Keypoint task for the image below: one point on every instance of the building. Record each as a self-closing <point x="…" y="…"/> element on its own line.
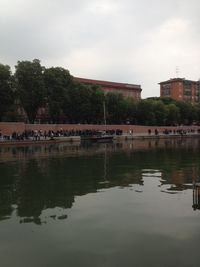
<point x="181" y="89"/>
<point x="127" y="90"/>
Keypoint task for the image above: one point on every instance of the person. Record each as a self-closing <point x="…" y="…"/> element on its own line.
<point x="52" y="135"/>
<point x="35" y="135"/>
<point x="45" y="134"/>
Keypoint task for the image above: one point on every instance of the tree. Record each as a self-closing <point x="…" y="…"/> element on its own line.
<point x="30" y="86"/>
<point x="197" y="111"/>
<point x="6" y="89"/>
<point x="187" y="113"/>
<point x="173" y="114"/>
<point x="78" y="103"/>
<point x="96" y="101"/>
<point x="145" y="112"/>
<point x="57" y="81"/>
<point x="115" y="108"/>
<point x="167" y="100"/>
<point x="160" y="112"/>
<point x="130" y="110"/>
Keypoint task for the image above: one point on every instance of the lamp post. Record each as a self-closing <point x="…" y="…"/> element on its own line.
<point x="104" y="111"/>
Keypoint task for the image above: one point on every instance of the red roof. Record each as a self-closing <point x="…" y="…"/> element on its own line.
<point x="177" y="80"/>
<point x="108" y="84"/>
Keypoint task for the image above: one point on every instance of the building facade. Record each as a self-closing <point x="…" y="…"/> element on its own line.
<point x="181" y="89"/>
<point x="127" y="90"/>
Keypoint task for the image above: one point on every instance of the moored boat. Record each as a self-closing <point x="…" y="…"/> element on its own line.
<point x="99" y="137"/>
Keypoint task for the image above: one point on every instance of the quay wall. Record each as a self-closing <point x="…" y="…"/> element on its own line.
<point x="7" y="128"/>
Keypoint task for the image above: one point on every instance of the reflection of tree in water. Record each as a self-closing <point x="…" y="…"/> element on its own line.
<point x="37" y="191"/>
<point x="7" y="190"/>
<point x="5" y="205"/>
<point x="38" y="184"/>
<point x="47" y="183"/>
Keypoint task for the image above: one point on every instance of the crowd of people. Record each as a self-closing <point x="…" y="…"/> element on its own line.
<point x="175" y="131"/>
<point x="50" y="134"/>
<point x="181" y="131"/>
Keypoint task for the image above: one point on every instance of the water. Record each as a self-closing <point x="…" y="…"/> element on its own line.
<point x="128" y="204"/>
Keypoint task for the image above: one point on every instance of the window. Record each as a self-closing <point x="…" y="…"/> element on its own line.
<point x="187" y="88"/>
<point x="166" y="89"/>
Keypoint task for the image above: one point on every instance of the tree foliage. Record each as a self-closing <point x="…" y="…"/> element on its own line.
<point x="30" y="86"/>
<point x="84" y="104"/>
<point x="6" y="89"/>
<point x="115" y="108"/>
<point x="57" y="81"/>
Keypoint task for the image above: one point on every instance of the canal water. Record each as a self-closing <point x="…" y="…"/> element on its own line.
<point x="123" y="204"/>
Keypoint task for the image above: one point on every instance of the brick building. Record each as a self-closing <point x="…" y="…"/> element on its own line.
<point x="181" y="89"/>
<point x="127" y="90"/>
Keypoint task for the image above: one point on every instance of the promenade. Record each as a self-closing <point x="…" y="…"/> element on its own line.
<point x="76" y="138"/>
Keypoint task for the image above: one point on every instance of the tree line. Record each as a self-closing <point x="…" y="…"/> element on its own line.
<point x="51" y="94"/>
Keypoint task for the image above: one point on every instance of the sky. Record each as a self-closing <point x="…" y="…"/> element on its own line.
<point x="131" y="41"/>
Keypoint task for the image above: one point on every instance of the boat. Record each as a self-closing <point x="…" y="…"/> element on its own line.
<point x="101" y="137"/>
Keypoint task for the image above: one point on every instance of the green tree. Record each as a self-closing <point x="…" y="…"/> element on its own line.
<point x="96" y="101"/>
<point x="173" y="114"/>
<point x="57" y="81"/>
<point x="6" y="89"/>
<point x="145" y="112"/>
<point x="115" y="107"/>
<point x="77" y="104"/>
<point x="30" y="87"/>
<point x="197" y="112"/>
<point x="160" y="113"/>
<point x="167" y="100"/>
<point x="129" y="109"/>
<point x="187" y="113"/>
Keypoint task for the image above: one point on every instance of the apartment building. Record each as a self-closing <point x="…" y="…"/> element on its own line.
<point x="181" y="89"/>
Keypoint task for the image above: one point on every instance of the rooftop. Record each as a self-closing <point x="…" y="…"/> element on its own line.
<point x="108" y="83"/>
<point x="177" y="80"/>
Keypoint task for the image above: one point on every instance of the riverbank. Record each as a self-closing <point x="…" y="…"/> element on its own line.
<point x="7" y="128"/>
<point x="77" y="139"/>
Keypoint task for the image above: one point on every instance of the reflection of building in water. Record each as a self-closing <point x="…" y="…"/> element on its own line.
<point x="180" y="180"/>
<point x="196" y="196"/>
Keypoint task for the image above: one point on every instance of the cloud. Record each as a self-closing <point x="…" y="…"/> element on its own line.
<point x="127" y="41"/>
<point x="103" y="7"/>
<point x="164" y="48"/>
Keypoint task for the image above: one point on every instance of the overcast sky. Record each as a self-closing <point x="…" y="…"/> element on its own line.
<point x="131" y="41"/>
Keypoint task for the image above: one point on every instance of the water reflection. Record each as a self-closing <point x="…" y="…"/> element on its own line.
<point x="196" y="196"/>
<point x="23" y="152"/>
<point x="41" y="183"/>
